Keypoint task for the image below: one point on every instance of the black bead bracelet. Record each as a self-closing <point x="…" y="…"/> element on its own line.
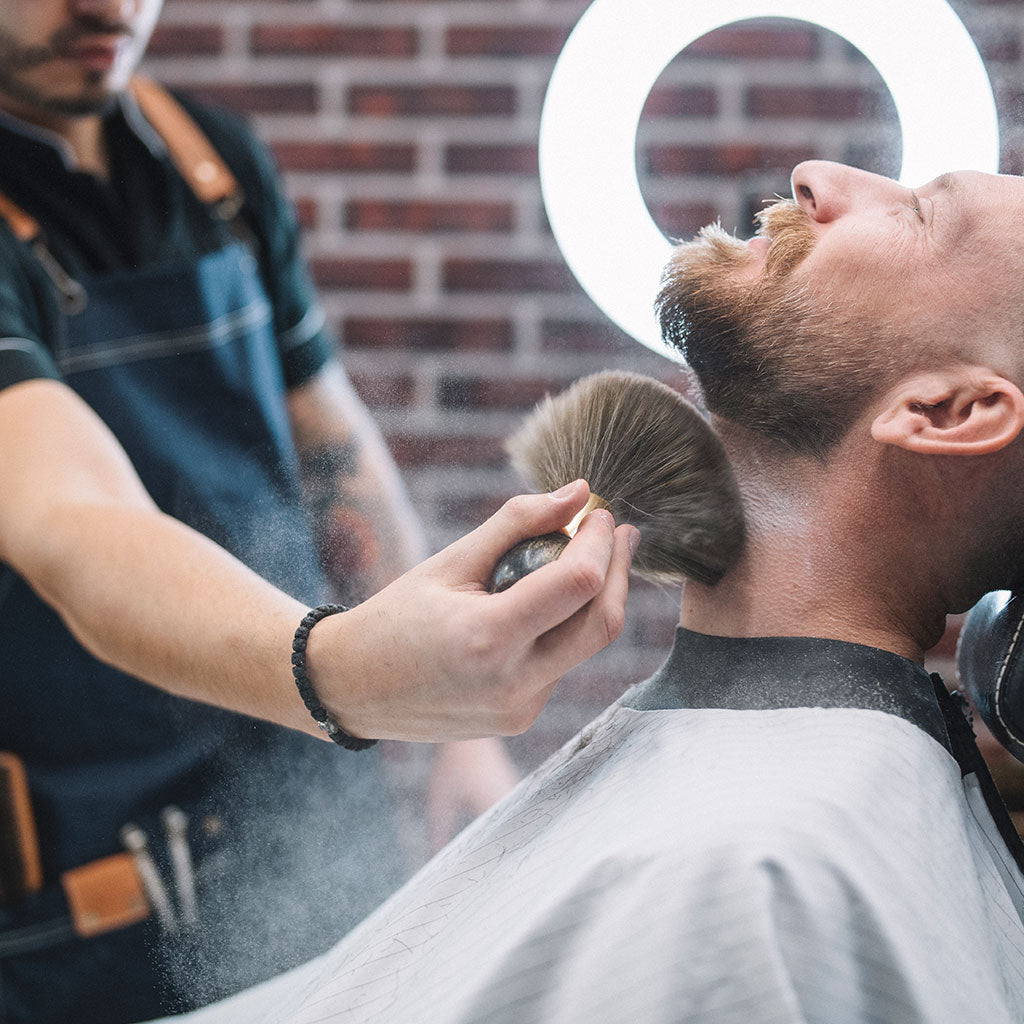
<point x="321" y="715"/>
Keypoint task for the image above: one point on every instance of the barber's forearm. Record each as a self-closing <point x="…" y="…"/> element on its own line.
<point x="139" y="589"/>
<point x="432" y="657"/>
<point x="152" y="597"/>
<point x="367" y="531"/>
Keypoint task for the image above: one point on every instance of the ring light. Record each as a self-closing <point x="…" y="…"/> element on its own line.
<point x="618" y="50"/>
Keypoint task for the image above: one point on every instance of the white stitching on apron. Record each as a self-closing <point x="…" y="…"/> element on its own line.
<point x="147" y="346"/>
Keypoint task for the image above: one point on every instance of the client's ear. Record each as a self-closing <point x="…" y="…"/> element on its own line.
<point x="966" y="410"/>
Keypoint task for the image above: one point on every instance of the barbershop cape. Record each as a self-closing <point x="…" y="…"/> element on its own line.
<point x="768" y="830"/>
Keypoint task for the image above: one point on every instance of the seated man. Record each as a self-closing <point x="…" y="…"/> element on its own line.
<point x="787" y="823"/>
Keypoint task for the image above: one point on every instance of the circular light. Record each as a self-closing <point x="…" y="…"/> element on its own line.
<point x="618" y="50"/>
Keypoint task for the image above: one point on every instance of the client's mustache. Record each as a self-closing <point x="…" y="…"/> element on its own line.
<point x="789" y="228"/>
<point x="62" y="43"/>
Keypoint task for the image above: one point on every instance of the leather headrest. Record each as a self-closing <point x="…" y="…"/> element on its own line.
<point x="990" y="666"/>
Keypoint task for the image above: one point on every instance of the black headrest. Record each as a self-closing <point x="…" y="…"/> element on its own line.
<point x="990" y="666"/>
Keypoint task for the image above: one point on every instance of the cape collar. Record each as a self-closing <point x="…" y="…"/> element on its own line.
<point x="761" y="673"/>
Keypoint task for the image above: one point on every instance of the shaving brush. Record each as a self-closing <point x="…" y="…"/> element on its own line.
<point x="650" y="458"/>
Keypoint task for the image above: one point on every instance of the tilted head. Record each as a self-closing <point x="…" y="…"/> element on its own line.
<point x="875" y="331"/>
<point x="852" y="287"/>
<point x="68" y="58"/>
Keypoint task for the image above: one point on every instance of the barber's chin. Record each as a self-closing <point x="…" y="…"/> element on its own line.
<point x="96" y="98"/>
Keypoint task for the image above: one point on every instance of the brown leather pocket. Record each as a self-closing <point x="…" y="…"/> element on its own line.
<point x="21" y="872"/>
<point x="105" y="895"/>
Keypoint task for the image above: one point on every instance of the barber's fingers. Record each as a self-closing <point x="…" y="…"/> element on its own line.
<point x="553" y="593"/>
<point x="598" y="622"/>
<point x="583" y="634"/>
<point x="527" y="515"/>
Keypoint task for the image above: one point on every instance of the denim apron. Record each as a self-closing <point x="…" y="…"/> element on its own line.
<point x="290" y="835"/>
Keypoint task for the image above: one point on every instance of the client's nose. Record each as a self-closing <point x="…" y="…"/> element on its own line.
<point x="820" y="190"/>
<point x="826" y="191"/>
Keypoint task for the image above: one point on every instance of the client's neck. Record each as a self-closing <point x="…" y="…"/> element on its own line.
<point x="819" y="561"/>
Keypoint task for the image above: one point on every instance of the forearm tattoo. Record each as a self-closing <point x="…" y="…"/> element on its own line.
<point x="352" y="522"/>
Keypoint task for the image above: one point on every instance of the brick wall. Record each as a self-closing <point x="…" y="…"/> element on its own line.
<point x="407" y="133"/>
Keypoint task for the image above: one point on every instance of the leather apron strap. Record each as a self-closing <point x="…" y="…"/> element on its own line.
<point x="196" y="159"/>
<point x="25" y="228"/>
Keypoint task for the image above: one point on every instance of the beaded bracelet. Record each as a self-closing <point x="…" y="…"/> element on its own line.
<point x="320" y="714"/>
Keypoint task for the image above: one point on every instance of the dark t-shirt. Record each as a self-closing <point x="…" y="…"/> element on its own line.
<point x="144" y="215"/>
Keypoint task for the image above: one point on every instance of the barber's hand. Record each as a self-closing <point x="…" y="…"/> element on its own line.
<point x="435" y="657"/>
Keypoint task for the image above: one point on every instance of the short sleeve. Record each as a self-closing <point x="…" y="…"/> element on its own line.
<point x="27" y="322"/>
<point x="299" y="324"/>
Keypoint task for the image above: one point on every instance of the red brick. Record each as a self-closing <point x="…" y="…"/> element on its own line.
<point x="504" y="392"/>
<point x="514" y="158"/>
<point x="583" y="336"/>
<point x="727" y="159"/>
<point x="170" y="40"/>
<point x="432" y="100"/>
<point x="999" y="48"/>
<point x="681" y="101"/>
<point x="759" y="43"/>
<point x="876" y="157"/>
<point x="819" y="102"/>
<point x="427" y="216"/>
<point x="1011" y="160"/>
<point x="653" y="631"/>
<point x="429" y="335"/>
<point x="1011" y="99"/>
<point x="506" y="40"/>
<point x="682" y="220"/>
<point x="349" y="157"/>
<point x="469" y="512"/>
<point x="482" y="275"/>
<point x="307" y="211"/>
<point x="589" y="693"/>
<point x="332" y="40"/>
<point x="260" y="98"/>
<point x="416" y="451"/>
<point x="384" y="391"/>
<point x="362" y="274"/>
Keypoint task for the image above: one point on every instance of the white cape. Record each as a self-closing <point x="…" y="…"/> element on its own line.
<point x="821" y="866"/>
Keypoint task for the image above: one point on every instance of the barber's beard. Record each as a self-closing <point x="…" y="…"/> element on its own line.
<point x="16" y="60"/>
<point x="789" y="229"/>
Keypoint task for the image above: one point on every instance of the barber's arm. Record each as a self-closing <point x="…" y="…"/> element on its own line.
<point x="366" y="529"/>
<point x="431" y="657"/>
<point x="368" y="535"/>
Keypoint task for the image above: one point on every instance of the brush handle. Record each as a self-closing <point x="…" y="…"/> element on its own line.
<point x="524" y="557"/>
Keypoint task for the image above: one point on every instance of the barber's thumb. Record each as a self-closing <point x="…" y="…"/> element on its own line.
<point x="574" y="494"/>
<point x="526" y="515"/>
<point x="529" y="515"/>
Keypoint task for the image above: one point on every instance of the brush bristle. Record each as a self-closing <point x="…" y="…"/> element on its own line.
<point x="653" y="458"/>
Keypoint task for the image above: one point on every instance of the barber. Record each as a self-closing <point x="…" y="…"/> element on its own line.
<point x="168" y="399"/>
